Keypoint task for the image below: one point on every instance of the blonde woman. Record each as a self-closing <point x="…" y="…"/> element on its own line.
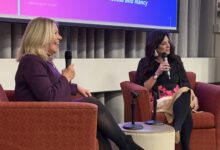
<point x="37" y="79"/>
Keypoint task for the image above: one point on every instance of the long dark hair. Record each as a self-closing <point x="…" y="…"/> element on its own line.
<point x="154" y="39"/>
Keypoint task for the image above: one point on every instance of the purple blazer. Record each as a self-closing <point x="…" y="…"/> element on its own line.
<point x="38" y="80"/>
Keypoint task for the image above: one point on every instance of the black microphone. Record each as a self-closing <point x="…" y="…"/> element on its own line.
<point x="68" y="58"/>
<point x="164" y="56"/>
<point x="134" y="94"/>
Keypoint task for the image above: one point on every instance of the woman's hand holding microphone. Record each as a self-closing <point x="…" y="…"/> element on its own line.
<point x="164" y="66"/>
<point x="69" y="72"/>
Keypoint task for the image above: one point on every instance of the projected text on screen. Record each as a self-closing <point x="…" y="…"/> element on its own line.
<point x="160" y="14"/>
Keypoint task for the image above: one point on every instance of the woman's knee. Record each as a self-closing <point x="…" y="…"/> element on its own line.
<point x="184" y="97"/>
<point x="92" y="100"/>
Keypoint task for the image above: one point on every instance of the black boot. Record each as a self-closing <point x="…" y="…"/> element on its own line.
<point x="130" y="144"/>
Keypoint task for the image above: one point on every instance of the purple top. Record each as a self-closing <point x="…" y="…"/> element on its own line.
<point x="38" y="80"/>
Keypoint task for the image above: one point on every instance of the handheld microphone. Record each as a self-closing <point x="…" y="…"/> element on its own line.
<point x="68" y="58"/>
<point x="164" y="56"/>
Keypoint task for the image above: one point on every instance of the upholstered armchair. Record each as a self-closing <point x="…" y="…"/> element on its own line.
<point x="46" y="125"/>
<point x="206" y="123"/>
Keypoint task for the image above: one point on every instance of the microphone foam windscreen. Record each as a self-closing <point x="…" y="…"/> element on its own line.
<point x="164" y="55"/>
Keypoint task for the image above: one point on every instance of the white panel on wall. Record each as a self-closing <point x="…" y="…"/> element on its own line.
<point x="205" y="68"/>
<point x="217" y="68"/>
<point x="101" y="75"/>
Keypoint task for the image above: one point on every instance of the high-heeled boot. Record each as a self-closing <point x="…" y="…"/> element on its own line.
<point x="130" y="144"/>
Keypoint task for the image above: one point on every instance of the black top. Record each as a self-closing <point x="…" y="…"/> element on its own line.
<point x="146" y="69"/>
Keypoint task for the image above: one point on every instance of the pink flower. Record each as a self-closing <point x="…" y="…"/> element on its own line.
<point x="164" y="92"/>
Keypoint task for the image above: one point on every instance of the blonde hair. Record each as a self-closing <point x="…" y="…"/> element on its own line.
<point x="37" y="38"/>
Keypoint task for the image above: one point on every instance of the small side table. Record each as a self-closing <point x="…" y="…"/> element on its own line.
<point x="153" y="137"/>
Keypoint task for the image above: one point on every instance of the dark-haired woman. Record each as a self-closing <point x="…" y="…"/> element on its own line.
<point x="168" y="77"/>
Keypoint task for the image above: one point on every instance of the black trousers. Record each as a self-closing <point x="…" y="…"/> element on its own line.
<point x="183" y="118"/>
<point x="107" y="128"/>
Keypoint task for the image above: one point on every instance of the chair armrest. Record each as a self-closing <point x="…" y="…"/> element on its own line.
<point x="208" y="97"/>
<point x="142" y="101"/>
<point x="11" y="95"/>
<point x="48" y="125"/>
<point x="209" y="100"/>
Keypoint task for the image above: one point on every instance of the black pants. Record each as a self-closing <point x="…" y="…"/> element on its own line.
<point x="107" y="128"/>
<point x="183" y="119"/>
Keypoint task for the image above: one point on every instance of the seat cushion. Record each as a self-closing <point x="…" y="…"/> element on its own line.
<point x="201" y="120"/>
<point x="3" y="97"/>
